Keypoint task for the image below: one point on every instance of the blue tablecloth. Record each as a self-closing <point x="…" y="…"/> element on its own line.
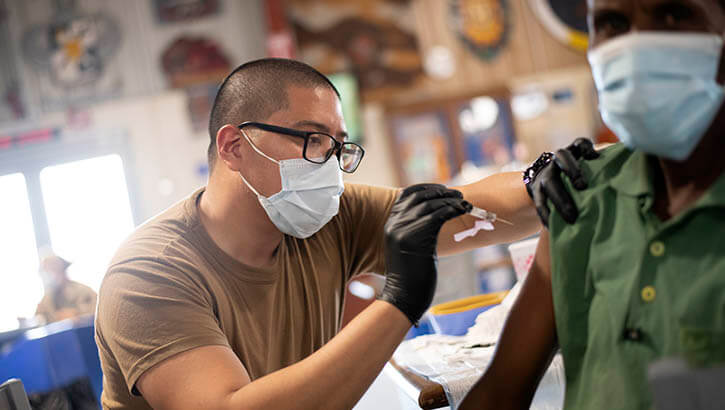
<point x="53" y="356"/>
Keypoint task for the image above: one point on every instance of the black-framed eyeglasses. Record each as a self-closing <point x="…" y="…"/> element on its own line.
<point x="319" y="147"/>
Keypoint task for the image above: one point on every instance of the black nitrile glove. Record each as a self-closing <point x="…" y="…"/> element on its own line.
<point x="543" y="182"/>
<point x="411" y="235"/>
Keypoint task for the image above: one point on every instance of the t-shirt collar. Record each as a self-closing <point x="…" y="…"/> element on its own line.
<point x="217" y="256"/>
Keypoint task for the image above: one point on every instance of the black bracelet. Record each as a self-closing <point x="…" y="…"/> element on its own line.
<point x="536" y="167"/>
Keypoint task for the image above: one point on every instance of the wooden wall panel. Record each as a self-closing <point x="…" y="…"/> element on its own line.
<point x="530" y="49"/>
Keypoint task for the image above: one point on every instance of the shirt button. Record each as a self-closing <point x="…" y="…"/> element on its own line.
<point x="632" y="334"/>
<point x="657" y="249"/>
<point x="648" y="293"/>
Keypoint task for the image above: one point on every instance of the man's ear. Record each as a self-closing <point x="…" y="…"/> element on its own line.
<point x="228" y="145"/>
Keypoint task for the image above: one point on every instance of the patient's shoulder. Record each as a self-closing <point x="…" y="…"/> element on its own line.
<point x="590" y="202"/>
<point x="611" y="159"/>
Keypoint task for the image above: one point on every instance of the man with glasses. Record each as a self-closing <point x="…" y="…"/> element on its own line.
<point x="232" y="298"/>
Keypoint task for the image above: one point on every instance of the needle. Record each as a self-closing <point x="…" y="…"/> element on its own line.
<point x="487" y="216"/>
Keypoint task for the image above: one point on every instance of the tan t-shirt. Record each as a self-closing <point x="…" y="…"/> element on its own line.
<point x="169" y="289"/>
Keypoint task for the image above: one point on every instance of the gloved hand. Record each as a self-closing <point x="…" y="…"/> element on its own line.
<point x="411" y="235"/>
<point x="543" y="179"/>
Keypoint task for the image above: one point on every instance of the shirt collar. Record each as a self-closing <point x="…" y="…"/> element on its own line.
<point x="635" y="178"/>
<point x="715" y="196"/>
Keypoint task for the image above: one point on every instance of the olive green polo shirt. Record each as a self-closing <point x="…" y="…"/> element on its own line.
<point x="629" y="289"/>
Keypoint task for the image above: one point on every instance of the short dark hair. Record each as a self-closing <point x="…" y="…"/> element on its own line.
<point x="255" y="90"/>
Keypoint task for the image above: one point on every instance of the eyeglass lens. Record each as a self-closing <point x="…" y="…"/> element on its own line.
<point x="319" y="148"/>
<point x="350" y="156"/>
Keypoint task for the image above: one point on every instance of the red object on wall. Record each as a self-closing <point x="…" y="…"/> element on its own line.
<point x="280" y="42"/>
<point x="194" y="60"/>
<point x="39" y="136"/>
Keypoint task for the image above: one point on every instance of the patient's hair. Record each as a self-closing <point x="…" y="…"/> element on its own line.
<point x="255" y="90"/>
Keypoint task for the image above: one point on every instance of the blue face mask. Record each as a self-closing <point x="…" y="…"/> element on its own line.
<point x="658" y="91"/>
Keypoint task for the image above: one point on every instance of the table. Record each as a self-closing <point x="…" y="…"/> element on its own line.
<point x="428" y="394"/>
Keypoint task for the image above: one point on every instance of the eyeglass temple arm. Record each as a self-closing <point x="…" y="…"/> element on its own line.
<point x="275" y="128"/>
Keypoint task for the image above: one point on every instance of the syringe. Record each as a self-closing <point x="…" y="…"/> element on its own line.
<point x="485" y="222"/>
<point x="487" y="216"/>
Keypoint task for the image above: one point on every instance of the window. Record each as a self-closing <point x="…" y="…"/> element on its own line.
<point x="89" y="213"/>
<point x="78" y="208"/>
<point x="21" y="287"/>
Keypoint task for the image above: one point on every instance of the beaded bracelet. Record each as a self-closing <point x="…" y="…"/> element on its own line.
<point x="532" y="171"/>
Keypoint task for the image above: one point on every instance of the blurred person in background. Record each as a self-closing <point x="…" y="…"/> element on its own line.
<point x="64" y="298"/>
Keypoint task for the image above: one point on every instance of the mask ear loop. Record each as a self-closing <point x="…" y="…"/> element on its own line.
<point x="721" y="67"/>
<point x="254" y="147"/>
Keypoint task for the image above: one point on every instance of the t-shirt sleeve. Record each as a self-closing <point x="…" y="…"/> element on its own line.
<point x="150" y="310"/>
<point x="366" y="210"/>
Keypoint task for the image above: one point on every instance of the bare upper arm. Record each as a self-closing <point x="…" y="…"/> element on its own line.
<point x="526" y="345"/>
<point x="201" y="378"/>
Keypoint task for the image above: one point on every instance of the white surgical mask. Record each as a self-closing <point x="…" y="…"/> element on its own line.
<point x="658" y="91"/>
<point x="309" y="198"/>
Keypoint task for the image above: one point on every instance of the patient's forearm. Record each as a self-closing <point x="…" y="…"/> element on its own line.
<point x="526" y="346"/>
